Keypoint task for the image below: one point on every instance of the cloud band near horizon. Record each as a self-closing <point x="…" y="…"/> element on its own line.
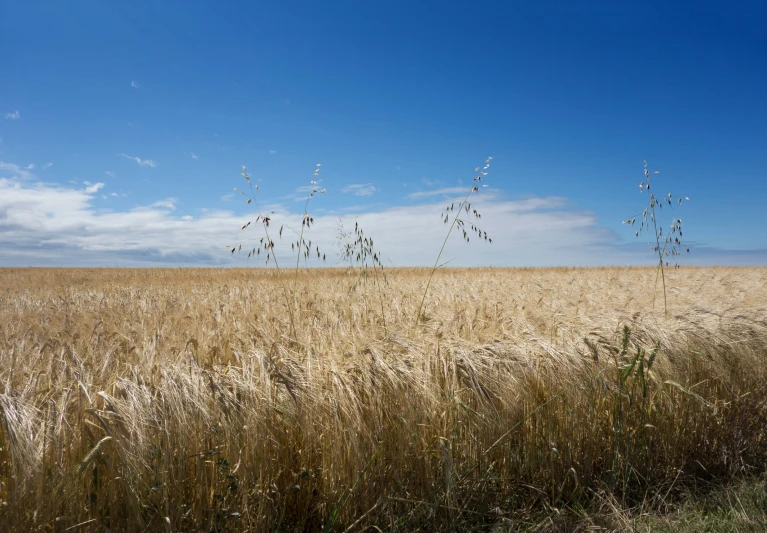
<point x="44" y="224"/>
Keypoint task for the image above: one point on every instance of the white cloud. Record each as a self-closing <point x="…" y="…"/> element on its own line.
<point x="57" y="225"/>
<point x="47" y="166"/>
<point x="30" y="166"/>
<point x="449" y="191"/>
<point x="141" y="162"/>
<point x="92" y="187"/>
<point x="113" y="194"/>
<point x="135" y="84"/>
<point x="358" y="189"/>
<point x="14" y="171"/>
<point x="13" y="116"/>
<point x="47" y="224"/>
<point x="305" y="189"/>
<point x="272" y="152"/>
<point x="168" y="203"/>
<point x="110" y="174"/>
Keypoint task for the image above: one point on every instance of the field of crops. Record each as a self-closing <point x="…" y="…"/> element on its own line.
<point x="219" y="400"/>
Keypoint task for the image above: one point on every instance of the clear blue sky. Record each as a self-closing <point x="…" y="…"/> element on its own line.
<point x="124" y="126"/>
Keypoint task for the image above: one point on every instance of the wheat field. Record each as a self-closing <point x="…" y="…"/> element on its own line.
<point x="185" y="400"/>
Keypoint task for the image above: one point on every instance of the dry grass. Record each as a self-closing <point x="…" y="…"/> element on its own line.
<point x="135" y="400"/>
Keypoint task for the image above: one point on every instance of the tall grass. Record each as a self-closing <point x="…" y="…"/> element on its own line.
<point x="302" y="248"/>
<point x="461" y="224"/>
<point x="666" y="245"/>
<point x="359" y="251"/>
<point x="168" y="399"/>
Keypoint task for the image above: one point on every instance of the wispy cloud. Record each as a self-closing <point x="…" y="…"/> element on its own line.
<point x="358" y="189"/>
<point x="13" y="116"/>
<point x="448" y="191"/>
<point x="110" y="174"/>
<point x="193" y="155"/>
<point x="135" y="84"/>
<point x="92" y="187"/>
<point x="397" y="167"/>
<point x="47" y="165"/>
<point x="14" y="171"/>
<point x="141" y="162"/>
<point x="272" y="152"/>
<point x="30" y="166"/>
<point x="305" y="189"/>
<point x="168" y="203"/>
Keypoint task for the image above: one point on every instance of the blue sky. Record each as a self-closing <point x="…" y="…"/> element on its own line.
<point x="124" y="126"/>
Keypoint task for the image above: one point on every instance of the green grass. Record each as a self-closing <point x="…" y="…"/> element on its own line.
<point x="740" y="506"/>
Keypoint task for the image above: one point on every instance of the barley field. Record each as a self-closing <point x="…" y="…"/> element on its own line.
<point x="525" y="399"/>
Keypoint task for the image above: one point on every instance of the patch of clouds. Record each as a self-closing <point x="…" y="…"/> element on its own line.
<point x="30" y="166"/>
<point x="397" y="167"/>
<point x="359" y="189"/>
<point x="14" y="171"/>
<point x="47" y="166"/>
<point x="314" y="187"/>
<point x="194" y="156"/>
<point x="135" y="84"/>
<point x="91" y="188"/>
<point x="61" y="225"/>
<point x="272" y="152"/>
<point x="13" y="116"/>
<point x="141" y="162"/>
<point x="448" y="191"/>
<point x="168" y="203"/>
<point x="110" y="174"/>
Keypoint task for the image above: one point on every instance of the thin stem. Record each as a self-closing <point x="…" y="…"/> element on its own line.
<point x="298" y="255"/>
<point x="653" y="201"/>
<point x="436" y="263"/>
<point x="276" y="264"/>
<point x="663" y="279"/>
<point x="380" y="297"/>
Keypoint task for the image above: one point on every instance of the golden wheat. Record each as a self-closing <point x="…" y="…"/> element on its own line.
<point x="520" y="391"/>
